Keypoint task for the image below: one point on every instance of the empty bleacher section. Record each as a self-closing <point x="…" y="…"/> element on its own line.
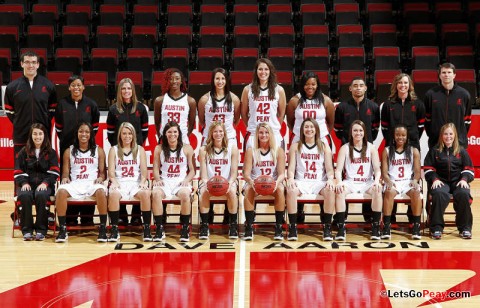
<point x="333" y="38"/>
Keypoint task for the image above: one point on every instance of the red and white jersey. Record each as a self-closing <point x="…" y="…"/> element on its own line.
<point x="401" y="167"/>
<point x="359" y="170"/>
<point x="220" y="114"/>
<point x="83" y="166"/>
<point x="220" y="163"/>
<point x="263" y="110"/>
<point x="310" y="109"/>
<point x="127" y="169"/>
<point x="310" y="164"/>
<point x="176" y="110"/>
<point x="175" y="168"/>
<point x="266" y="166"/>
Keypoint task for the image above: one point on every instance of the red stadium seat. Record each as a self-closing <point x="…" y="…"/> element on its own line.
<point x="279" y="14"/>
<point x="313" y="14"/>
<point x="175" y="57"/>
<point x="244" y="58"/>
<point x="316" y="36"/>
<point x="386" y="58"/>
<point x="316" y="59"/>
<point x="69" y="59"/>
<point x="96" y="86"/>
<point x="209" y="58"/>
<point x="246" y="36"/>
<point x="145" y="15"/>
<point x="140" y="59"/>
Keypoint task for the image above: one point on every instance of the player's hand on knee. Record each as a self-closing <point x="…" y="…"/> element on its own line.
<point x="463" y="184"/>
<point x="437" y="184"/>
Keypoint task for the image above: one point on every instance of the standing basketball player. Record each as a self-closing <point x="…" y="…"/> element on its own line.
<point x="263" y="101"/>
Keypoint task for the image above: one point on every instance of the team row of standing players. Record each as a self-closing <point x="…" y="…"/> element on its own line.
<point x="262" y="101"/>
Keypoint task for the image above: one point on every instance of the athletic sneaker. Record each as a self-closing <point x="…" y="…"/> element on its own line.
<point x="27" y="237"/>
<point x="341" y="233"/>
<point x="327" y="232"/>
<point x="375" y="231"/>
<point x="62" y="236"/>
<point x="184" y="234"/>
<point x="102" y="234"/>
<point x="248" y="235"/>
<point x="204" y="232"/>
<point x="386" y="232"/>
<point x="147" y="236"/>
<point x="159" y="234"/>
<point x="233" y="231"/>
<point x="466" y="234"/>
<point x="437" y="234"/>
<point x="278" y="232"/>
<point x="114" y="234"/>
<point x="39" y="237"/>
<point x="292" y="232"/>
<point x="416" y="235"/>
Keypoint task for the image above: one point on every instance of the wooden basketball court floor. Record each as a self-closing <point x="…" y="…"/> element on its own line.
<point x="233" y="273"/>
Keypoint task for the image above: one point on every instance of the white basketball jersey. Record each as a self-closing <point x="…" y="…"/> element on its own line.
<point x="220" y="114"/>
<point x="83" y="166"/>
<point x="359" y="170"/>
<point x="263" y="110"/>
<point x="176" y="110"/>
<point x="310" y="165"/>
<point x="127" y="169"/>
<point x="266" y="166"/>
<point x="310" y="109"/>
<point x="175" y="168"/>
<point x="401" y="167"/>
<point x="220" y="163"/>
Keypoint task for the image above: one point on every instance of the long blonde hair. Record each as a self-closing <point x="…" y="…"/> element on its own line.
<point x="209" y="147"/>
<point x="455" y="145"/>
<point x="394" y="91"/>
<point x="120" y="145"/>
<point x="119" y="100"/>
<point x="272" y="143"/>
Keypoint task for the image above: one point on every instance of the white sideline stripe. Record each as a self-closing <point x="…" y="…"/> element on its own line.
<point x="241" y="279"/>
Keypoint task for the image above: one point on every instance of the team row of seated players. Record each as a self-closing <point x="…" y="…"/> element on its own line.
<point x="310" y="172"/>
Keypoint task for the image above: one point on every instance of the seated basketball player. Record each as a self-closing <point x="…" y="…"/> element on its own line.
<point x="218" y="157"/>
<point x="173" y="171"/>
<point x="83" y="175"/>
<point x="358" y="160"/>
<point x="127" y="172"/>
<point x="310" y="171"/>
<point x="264" y="158"/>
<point x="401" y="173"/>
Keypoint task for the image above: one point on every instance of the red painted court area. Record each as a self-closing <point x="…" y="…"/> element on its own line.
<point x="353" y="279"/>
<point x="135" y="280"/>
<point x="277" y="279"/>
